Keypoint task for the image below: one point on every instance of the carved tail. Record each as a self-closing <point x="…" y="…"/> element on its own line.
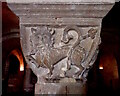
<point x="66" y="37"/>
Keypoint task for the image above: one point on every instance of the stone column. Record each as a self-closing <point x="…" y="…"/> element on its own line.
<point x="60" y="39"/>
<point x="27" y="84"/>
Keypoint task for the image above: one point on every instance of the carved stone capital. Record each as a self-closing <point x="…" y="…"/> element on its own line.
<point x="60" y="40"/>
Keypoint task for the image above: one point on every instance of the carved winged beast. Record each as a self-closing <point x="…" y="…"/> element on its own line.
<point x="46" y="55"/>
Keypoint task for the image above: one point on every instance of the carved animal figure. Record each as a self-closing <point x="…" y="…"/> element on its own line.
<point x="77" y="53"/>
<point x="46" y="55"/>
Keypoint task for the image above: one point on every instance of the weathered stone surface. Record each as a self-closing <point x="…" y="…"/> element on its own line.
<point x="60" y="40"/>
<point x="46" y="1"/>
<point x="58" y="57"/>
<point x="60" y="88"/>
<point x="68" y="80"/>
